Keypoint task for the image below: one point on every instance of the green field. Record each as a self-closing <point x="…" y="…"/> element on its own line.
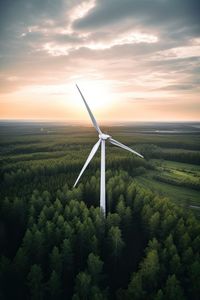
<point x="181" y="195"/>
<point x="177" y="172"/>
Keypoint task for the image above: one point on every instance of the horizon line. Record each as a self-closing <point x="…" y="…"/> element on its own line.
<point x="88" y="123"/>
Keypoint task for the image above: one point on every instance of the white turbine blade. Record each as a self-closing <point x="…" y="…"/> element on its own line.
<point x="116" y="143"/>
<point x="90" y="113"/>
<point x="92" y="153"/>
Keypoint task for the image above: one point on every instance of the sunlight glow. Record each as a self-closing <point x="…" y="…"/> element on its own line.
<point x="97" y="93"/>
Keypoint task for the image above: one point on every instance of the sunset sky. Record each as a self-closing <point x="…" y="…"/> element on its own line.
<point x="134" y="60"/>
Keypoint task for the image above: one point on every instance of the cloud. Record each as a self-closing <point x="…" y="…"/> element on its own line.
<point x="177" y="87"/>
<point x="144" y="49"/>
<point x="140" y="13"/>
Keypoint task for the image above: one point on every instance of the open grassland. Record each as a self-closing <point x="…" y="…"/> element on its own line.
<point x="181" y="195"/>
<point x="178" y="181"/>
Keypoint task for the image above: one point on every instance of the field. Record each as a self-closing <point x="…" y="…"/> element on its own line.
<point x="179" y="182"/>
<point x="52" y="234"/>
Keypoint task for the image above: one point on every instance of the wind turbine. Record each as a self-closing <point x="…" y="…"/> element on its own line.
<point x="102" y="139"/>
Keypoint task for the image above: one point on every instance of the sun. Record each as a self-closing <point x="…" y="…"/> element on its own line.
<point x="97" y="93"/>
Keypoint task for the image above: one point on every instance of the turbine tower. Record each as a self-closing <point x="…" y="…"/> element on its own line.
<point x="102" y="139"/>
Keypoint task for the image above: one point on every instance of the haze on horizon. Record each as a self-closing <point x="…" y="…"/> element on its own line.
<point x="134" y="60"/>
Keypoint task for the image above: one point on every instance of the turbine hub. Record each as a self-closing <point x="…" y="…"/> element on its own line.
<point x="104" y="136"/>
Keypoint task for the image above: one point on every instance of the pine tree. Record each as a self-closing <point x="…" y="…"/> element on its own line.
<point x="55" y="260"/>
<point x="173" y="291"/>
<point x="95" y="266"/>
<point x="82" y="286"/>
<point x="54" y="286"/>
<point x="35" y="278"/>
<point x="116" y="243"/>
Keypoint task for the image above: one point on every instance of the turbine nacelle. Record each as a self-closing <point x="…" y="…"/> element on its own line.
<point x="104" y="136"/>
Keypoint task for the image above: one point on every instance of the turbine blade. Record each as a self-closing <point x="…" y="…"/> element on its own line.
<point x="92" y="153"/>
<point x="116" y="143"/>
<point x="90" y="113"/>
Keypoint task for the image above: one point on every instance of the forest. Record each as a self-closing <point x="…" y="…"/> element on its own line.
<point x="55" y="242"/>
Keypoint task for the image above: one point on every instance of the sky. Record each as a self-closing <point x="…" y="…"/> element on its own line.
<point x="134" y="60"/>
